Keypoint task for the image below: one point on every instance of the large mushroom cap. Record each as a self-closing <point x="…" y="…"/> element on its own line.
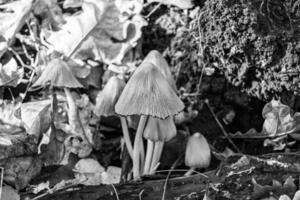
<point x="160" y="129"/>
<point x="197" y="154"/>
<point x="107" y="98"/>
<point x="58" y="74"/>
<point x="155" y="58"/>
<point x="148" y="93"/>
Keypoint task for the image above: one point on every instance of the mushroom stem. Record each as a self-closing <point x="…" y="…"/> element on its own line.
<point x="158" y="147"/>
<point x="150" y="146"/>
<point x="142" y="156"/>
<point x="126" y="136"/>
<point x="72" y="110"/>
<point x="137" y="144"/>
<point x="190" y="171"/>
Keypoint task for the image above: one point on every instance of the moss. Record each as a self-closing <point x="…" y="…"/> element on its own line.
<point x="255" y="43"/>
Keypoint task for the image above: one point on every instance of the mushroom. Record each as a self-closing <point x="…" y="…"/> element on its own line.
<point x="105" y="105"/>
<point x="58" y="74"/>
<point x="147" y="93"/>
<point x="197" y="154"/>
<point x="157" y="131"/>
<point x="155" y="58"/>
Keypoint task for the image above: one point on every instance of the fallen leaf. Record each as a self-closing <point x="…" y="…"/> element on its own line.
<point x="18" y="171"/>
<point x="12" y="17"/>
<point x="183" y="4"/>
<point x="10" y="75"/>
<point x="98" y="32"/>
<point x="49" y="13"/>
<point x="89" y="171"/>
<point x="36" y="117"/>
<point x="8" y="193"/>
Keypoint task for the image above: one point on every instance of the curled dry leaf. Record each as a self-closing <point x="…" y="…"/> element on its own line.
<point x="278" y="119"/>
<point x="89" y="171"/>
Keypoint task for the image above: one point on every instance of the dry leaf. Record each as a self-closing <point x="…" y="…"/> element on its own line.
<point x="10" y="75"/>
<point x="36" y="117"/>
<point x="99" y="32"/>
<point x="12" y="17"/>
<point x="8" y="193"/>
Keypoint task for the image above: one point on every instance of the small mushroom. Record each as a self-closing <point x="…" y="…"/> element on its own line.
<point x="147" y="93"/>
<point x="108" y="97"/>
<point x="155" y="58"/>
<point x="157" y="131"/>
<point x="105" y="105"/>
<point x="58" y="74"/>
<point x="197" y="154"/>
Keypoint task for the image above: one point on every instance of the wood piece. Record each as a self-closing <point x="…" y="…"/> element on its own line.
<point x="146" y="190"/>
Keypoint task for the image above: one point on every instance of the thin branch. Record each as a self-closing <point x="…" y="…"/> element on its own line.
<point x="19" y="58"/>
<point x="153" y="10"/>
<point x="222" y="128"/>
<point x="115" y="190"/>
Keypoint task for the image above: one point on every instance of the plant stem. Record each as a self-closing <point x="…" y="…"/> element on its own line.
<point x="150" y="146"/>
<point x="72" y="110"/>
<point x="137" y="144"/>
<point x="158" y="147"/>
<point x="126" y="136"/>
<point x="142" y="156"/>
<point x="191" y="170"/>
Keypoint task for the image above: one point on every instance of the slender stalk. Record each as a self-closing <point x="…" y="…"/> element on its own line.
<point x="126" y="136"/>
<point x="191" y="170"/>
<point x="137" y="144"/>
<point x="150" y="146"/>
<point x="74" y="120"/>
<point x="158" y="147"/>
<point x="142" y="156"/>
<point x="221" y="127"/>
<point x="72" y="110"/>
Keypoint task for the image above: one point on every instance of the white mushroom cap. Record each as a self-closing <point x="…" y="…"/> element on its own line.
<point x="148" y="93"/>
<point x="160" y="129"/>
<point x="58" y="74"/>
<point x="197" y="154"/>
<point x="155" y="58"/>
<point x="108" y="97"/>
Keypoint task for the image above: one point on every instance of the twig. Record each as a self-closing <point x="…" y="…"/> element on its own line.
<point x="153" y="10"/>
<point x="201" y="50"/>
<point x="19" y="58"/>
<point x="140" y="194"/>
<point x="182" y="170"/>
<point x="1" y="180"/>
<point x="222" y="128"/>
<point x="168" y="176"/>
<point x="116" y="192"/>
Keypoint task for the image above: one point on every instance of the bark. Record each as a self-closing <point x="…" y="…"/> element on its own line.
<point x="146" y="190"/>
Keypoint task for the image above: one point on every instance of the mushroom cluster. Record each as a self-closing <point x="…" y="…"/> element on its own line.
<point x="105" y="105"/>
<point x="151" y="94"/>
